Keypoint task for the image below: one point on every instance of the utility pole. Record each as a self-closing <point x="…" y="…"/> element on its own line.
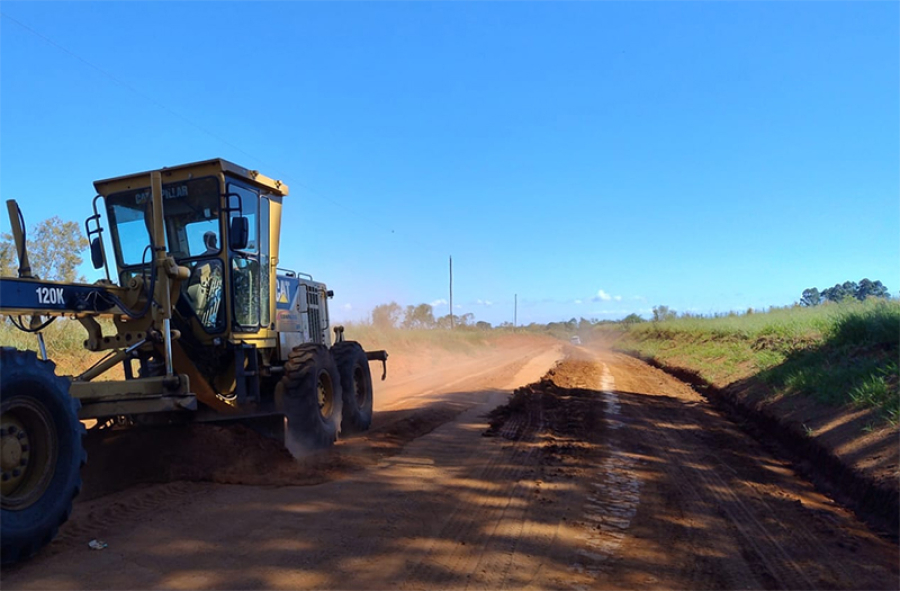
<point x="516" y="312"/>
<point x="451" y="292"/>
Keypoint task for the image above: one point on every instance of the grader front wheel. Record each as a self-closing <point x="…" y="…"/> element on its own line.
<point x="356" y="381"/>
<point x="40" y="453"/>
<point x="310" y="394"/>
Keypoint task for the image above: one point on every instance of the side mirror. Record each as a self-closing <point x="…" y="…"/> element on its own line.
<point x="239" y="234"/>
<point x="96" y="253"/>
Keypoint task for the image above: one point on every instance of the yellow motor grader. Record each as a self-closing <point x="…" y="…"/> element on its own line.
<point x="207" y="327"/>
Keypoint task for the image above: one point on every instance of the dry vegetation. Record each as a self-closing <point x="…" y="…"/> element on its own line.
<point x="64" y="339"/>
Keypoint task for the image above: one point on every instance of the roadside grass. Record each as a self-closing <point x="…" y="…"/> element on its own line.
<point x="880" y="390"/>
<point x="64" y="339"/>
<point x="837" y="353"/>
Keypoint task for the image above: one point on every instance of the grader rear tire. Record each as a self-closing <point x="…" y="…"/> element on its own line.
<point x="310" y="394"/>
<point x="40" y="452"/>
<point x="356" y="380"/>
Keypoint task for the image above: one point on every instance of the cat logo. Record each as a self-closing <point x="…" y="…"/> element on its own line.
<point x="281" y="292"/>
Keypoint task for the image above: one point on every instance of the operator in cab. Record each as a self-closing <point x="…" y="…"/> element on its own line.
<point x="210" y="241"/>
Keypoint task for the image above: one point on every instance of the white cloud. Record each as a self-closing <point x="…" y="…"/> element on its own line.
<point x="578" y="301"/>
<point x="440" y="302"/>
<point x="602" y="296"/>
<point x="347" y="307"/>
<point x="484" y="302"/>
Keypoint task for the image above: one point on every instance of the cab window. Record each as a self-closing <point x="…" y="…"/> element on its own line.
<point x="249" y="280"/>
<point x="249" y="206"/>
<point x="191" y="210"/>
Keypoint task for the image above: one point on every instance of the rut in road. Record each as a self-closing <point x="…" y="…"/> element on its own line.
<point x="614" y="500"/>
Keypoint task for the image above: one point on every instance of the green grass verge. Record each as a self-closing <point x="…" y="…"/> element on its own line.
<point x="838" y="354"/>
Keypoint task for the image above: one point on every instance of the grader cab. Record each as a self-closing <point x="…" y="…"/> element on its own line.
<point x="205" y="326"/>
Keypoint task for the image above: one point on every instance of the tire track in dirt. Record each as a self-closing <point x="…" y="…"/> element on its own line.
<point x="481" y="485"/>
<point x="498" y="486"/>
<point x="719" y="471"/>
<point x="703" y="484"/>
<point x="478" y="542"/>
<point x="786" y="573"/>
<point x="101" y="519"/>
<point x="493" y="492"/>
<point x="615" y="495"/>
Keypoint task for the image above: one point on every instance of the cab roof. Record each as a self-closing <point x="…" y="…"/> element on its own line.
<point x="183" y="171"/>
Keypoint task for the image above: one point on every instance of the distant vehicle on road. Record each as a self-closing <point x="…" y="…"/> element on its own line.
<point x="576" y="340"/>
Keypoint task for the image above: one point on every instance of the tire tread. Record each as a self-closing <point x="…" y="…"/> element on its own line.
<point x="14" y="550"/>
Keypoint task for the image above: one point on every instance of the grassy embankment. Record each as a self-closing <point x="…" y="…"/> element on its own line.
<point x="838" y="355"/>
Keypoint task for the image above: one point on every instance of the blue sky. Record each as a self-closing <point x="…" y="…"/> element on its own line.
<point x="596" y="159"/>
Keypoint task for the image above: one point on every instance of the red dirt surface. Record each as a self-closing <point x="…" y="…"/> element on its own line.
<point x="606" y="474"/>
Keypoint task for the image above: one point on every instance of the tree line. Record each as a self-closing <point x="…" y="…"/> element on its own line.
<point x="392" y="315"/>
<point x="395" y="316"/>
<point x="844" y="291"/>
<point x="54" y="251"/>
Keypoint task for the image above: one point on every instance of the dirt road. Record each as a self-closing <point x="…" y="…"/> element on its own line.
<point x="608" y="474"/>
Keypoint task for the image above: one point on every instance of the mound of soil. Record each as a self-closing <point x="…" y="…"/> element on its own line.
<point x="558" y="401"/>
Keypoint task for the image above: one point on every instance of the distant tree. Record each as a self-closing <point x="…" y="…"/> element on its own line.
<point x="466" y="319"/>
<point x="863" y="289"/>
<point x="54" y="250"/>
<point x="871" y="289"/>
<point x="850" y="288"/>
<point x="8" y="262"/>
<point x="482" y="325"/>
<point x="386" y="315"/>
<point x="424" y="316"/>
<point x="444" y="321"/>
<point x="661" y="313"/>
<point x="840" y="292"/>
<point x="421" y="316"/>
<point x="811" y="297"/>
<point x="632" y="319"/>
<point x="879" y="290"/>
<point x="408" y="317"/>
<point x="845" y="291"/>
